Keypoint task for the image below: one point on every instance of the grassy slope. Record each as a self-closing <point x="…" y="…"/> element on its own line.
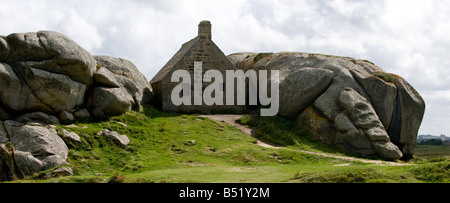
<point x="182" y="148"/>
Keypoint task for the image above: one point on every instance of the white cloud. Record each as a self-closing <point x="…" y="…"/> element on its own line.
<point x="406" y="37"/>
<point x="80" y="30"/>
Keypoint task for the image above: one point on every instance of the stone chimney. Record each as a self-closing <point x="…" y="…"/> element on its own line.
<point x="204" y="30"/>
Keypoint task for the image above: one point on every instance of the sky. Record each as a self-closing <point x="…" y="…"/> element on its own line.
<point x="410" y="38"/>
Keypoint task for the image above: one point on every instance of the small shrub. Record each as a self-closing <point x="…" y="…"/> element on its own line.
<point x="99" y="65"/>
<point x="116" y="178"/>
<point x="341" y="176"/>
<point x="280" y="131"/>
<point x="246" y="120"/>
<point x="261" y="56"/>
<point x="387" y="77"/>
<point x="438" y="172"/>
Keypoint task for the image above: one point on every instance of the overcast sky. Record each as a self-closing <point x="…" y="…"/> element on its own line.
<point x="410" y="38"/>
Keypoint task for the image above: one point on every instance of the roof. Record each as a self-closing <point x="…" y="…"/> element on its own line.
<point x="204" y="33"/>
<point x="174" y="60"/>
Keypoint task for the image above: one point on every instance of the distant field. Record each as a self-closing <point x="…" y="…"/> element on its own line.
<point x="432" y="152"/>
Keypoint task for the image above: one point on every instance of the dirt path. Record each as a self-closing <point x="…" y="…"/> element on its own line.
<point x="231" y="120"/>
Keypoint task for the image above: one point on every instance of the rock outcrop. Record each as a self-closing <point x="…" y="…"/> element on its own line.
<point x="48" y="72"/>
<point x="121" y="87"/>
<point x="118" y="139"/>
<point x="27" y="149"/>
<point x="346" y="102"/>
<point x="45" y="77"/>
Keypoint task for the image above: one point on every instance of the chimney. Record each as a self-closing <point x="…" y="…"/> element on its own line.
<point x="204" y="30"/>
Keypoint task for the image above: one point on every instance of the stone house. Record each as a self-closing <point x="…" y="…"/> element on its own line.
<point x="200" y="49"/>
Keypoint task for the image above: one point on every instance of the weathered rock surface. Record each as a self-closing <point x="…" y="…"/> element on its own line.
<point x="59" y="172"/>
<point x="66" y="116"/>
<point x="121" y="87"/>
<point x="48" y="72"/>
<point x="70" y="138"/>
<point x="45" y="76"/>
<point x="118" y="139"/>
<point x="82" y="113"/>
<point x="33" y="148"/>
<point x="408" y="115"/>
<point x="110" y="101"/>
<point x="300" y="88"/>
<point x="52" y="52"/>
<point x="342" y="101"/>
<point x="381" y="93"/>
<point x="365" y="119"/>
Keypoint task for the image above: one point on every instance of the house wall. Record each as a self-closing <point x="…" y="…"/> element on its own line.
<point x="212" y="58"/>
<point x="158" y="92"/>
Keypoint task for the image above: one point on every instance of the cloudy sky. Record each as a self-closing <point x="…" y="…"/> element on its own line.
<point x="410" y="38"/>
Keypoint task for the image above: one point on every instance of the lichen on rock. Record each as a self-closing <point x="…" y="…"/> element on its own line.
<point x="357" y="106"/>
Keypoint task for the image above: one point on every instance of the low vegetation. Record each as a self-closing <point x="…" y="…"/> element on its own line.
<point x="387" y="77"/>
<point x="261" y="56"/>
<point x="169" y="147"/>
<point x="432" y="152"/>
<point x="247" y="120"/>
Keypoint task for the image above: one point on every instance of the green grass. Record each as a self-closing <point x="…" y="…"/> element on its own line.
<point x="432" y="152"/>
<point x="283" y="132"/>
<point x="387" y="77"/>
<point x="261" y="56"/>
<point x="356" y="175"/>
<point x="246" y="120"/>
<point x="169" y="147"/>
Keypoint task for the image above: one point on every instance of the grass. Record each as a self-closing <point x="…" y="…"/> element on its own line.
<point x="169" y="147"/>
<point x="246" y="120"/>
<point x="356" y="175"/>
<point x="387" y="77"/>
<point x="283" y="132"/>
<point x="261" y="56"/>
<point x="437" y="171"/>
<point x="432" y="152"/>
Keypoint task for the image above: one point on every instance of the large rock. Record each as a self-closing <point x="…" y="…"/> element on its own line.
<point x="3" y="134"/>
<point x="121" y="87"/>
<point x="110" y="101"/>
<point x="10" y="86"/>
<point x="37" y="117"/>
<point x="345" y="102"/>
<point x="52" y="52"/>
<point x="4" y="48"/>
<point x="382" y="94"/>
<point x="127" y="75"/>
<point x="35" y="148"/>
<point x="4" y="115"/>
<point x="58" y="92"/>
<point x="105" y="78"/>
<point x="7" y="165"/>
<point x="301" y="88"/>
<point x="365" y="119"/>
<point x="317" y="125"/>
<point x="48" y="72"/>
<point x="408" y="115"/>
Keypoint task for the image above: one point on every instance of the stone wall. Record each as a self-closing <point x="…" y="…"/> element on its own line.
<point x="200" y="49"/>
